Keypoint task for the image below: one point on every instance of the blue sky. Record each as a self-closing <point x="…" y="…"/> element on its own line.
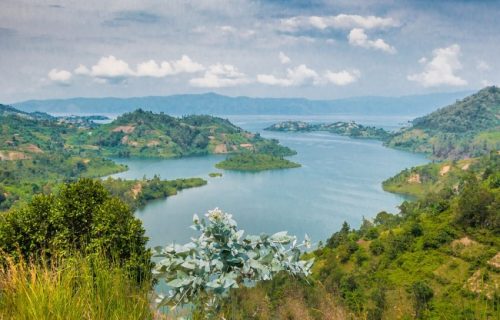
<point x="314" y="49"/>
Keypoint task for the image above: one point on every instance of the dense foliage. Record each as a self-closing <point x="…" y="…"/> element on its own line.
<point x="470" y="127"/>
<point x="38" y="151"/>
<point x="82" y="217"/>
<point x="147" y="134"/>
<point x="35" y="157"/>
<point x="222" y="258"/>
<point x="438" y="256"/>
<point x="255" y="162"/>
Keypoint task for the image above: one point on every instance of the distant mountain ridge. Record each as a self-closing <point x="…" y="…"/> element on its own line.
<point x="215" y="104"/>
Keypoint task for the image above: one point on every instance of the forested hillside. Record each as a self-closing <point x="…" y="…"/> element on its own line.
<point x="467" y="128"/>
<point x="440" y="255"/>
<point x="38" y="151"/>
<point x="35" y="157"/>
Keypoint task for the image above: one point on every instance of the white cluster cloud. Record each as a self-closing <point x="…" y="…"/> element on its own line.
<point x="343" y="77"/>
<point x="302" y="76"/>
<point x="152" y="69"/>
<point x="111" y="68"/>
<point x="220" y="75"/>
<point x="441" y="69"/>
<point x="341" y="21"/>
<point x="357" y="25"/>
<point x="60" y="76"/>
<point x="298" y="76"/>
<point x="106" y="68"/>
<point x="284" y="59"/>
<point x="358" y="37"/>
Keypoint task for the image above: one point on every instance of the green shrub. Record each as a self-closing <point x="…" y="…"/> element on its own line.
<point x="421" y="294"/>
<point x="377" y="247"/>
<point x="82" y="217"/>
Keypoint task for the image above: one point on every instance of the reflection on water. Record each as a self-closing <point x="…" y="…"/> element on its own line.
<point x="340" y="180"/>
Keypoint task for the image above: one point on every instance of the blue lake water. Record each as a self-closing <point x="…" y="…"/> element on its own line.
<point x="340" y="180"/>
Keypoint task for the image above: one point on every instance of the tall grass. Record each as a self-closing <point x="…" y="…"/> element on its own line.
<point x="75" y="288"/>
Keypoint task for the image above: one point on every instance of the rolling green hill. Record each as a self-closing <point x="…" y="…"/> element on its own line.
<point x="35" y="156"/>
<point x="431" y="178"/>
<point x="439" y="257"/>
<point x="467" y="128"/>
<point x="38" y="151"/>
<point x="146" y="134"/>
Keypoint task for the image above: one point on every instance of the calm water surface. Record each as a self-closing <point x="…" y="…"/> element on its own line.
<point x="340" y="180"/>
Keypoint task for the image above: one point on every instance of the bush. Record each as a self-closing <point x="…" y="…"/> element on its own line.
<point x="421" y="293"/>
<point x="478" y="206"/>
<point x="82" y="217"/>
<point x="204" y="271"/>
<point x="377" y="247"/>
<point x="435" y="239"/>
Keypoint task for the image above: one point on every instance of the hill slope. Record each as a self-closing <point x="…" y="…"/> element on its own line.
<point x="467" y="128"/>
<point x="146" y="134"/>
<point x="439" y="256"/>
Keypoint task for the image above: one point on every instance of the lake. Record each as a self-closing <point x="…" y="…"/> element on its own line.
<point x="340" y="180"/>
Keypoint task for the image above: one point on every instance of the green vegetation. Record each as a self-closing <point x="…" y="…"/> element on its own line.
<point x="38" y="151"/>
<point x="432" y="178"/>
<point x="468" y="128"/>
<point x="350" y="129"/>
<point x="83" y="217"/>
<point x="269" y="156"/>
<point x="35" y="156"/>
<point x="75" y="288"/>
<point x="204" y="271"/>
<point x="438" y="256"/>
<point x="146" y="134"/>
<point x="255" y="162"/>
<point x="215" y="174"/>
<point x="136" y="193"/>
<point x="77" y="254"/>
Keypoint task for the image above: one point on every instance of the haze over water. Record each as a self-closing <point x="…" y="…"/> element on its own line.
<point x="340" y="180"/>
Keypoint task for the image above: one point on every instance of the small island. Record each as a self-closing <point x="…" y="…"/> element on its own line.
<point x="349" y="129"/>
<point x="255" y="162"/>
<point x="215" y="174"/>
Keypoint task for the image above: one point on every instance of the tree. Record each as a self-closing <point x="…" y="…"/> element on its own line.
<point x="205" y="270"/>
<point x="422" y="295"/>
<point x="477" y="206"/>
<point x="82" y="217"/>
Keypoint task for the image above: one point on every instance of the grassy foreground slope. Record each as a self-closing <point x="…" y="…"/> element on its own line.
<point x="439" y="257"/>
<point x="79" y="253"/>
<point x="467" y="128"/>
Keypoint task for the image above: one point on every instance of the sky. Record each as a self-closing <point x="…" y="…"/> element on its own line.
<point x="312" y="48"/>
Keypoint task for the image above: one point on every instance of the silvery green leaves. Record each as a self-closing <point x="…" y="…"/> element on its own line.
<point x="222" y="258"/>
